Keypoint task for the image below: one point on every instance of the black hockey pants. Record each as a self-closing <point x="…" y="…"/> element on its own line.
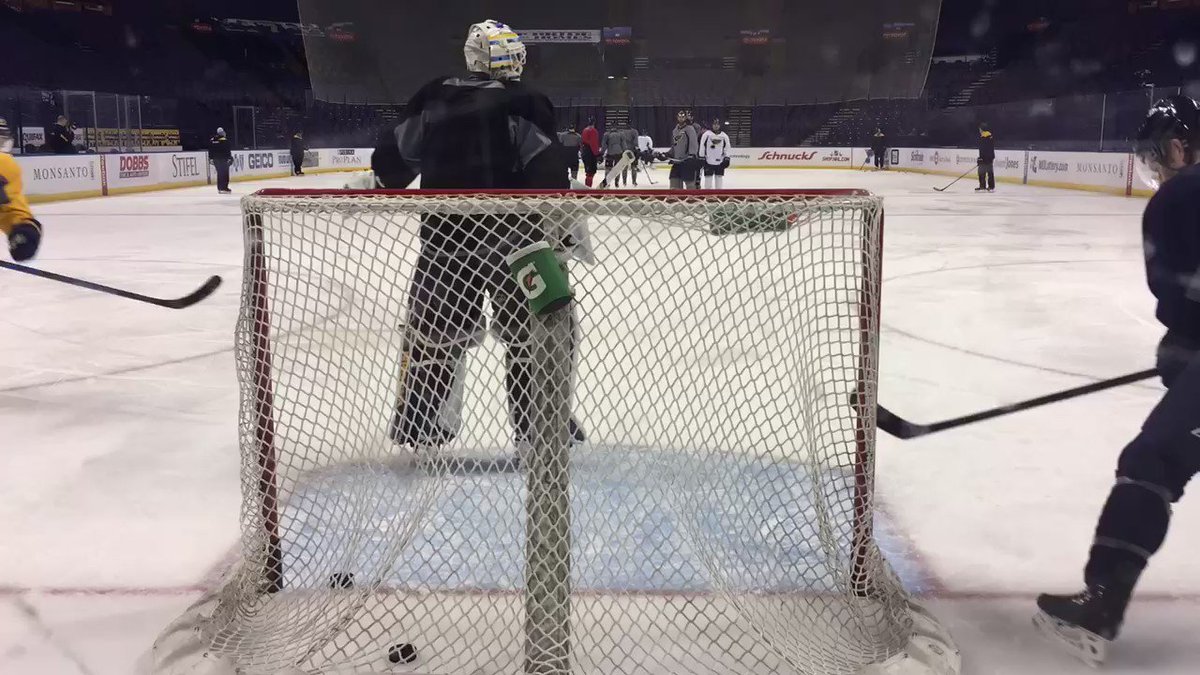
<point x="1151" y="475"/>
<point x="987" y="176"/>
<point x="222" y="168"/>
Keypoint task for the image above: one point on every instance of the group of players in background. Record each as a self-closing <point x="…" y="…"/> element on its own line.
<point x="694" y="151"/>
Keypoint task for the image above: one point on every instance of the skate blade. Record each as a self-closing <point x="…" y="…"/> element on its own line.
<point x="1083" y="644"/>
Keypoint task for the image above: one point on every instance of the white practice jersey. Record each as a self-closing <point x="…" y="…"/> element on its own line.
<point x="645" y="143"/>
<point x="714" y="147"/>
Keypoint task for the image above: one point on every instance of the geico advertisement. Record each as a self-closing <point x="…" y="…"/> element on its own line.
<point x="251" y="162"/>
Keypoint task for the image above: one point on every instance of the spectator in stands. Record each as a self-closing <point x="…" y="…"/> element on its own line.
<point x="221" y="157"/>
<point x="879" y="147"/>
<point x="987" y="156"/>
<point x="60" y="137"/>
<point x="570" y="140"/>
<point x="298" y="153"/>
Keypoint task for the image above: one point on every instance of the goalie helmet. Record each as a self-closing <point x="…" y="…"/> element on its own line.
<point x="495" y="49"/>
<point x="6" y="136"/>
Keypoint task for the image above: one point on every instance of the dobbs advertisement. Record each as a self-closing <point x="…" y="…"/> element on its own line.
<point x="131" y="172"/>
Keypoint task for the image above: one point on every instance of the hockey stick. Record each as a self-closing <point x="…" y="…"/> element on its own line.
<point x="893" y="425"/>
<point x="864" y="164"/>
<point x="955" y="180"/>
<point x="177" y="303"/>
<point x="646" y="173"/>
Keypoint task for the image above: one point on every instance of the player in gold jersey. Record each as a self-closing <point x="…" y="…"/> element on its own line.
<point x="23" y="231"/>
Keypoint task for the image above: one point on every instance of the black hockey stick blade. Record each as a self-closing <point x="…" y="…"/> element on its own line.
<point x="894" y="425"/>
<point x="188" y="300"/>
<point x="943" y="189"/>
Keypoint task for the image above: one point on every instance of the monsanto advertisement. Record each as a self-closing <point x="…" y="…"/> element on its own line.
<point x="1108" y="171"/>
<point x="130" y="172"/>
<point x="62" y="175"/>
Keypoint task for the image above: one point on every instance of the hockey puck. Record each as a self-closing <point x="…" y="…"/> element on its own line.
<point x="402" y="653"/>
<point x="341" y="580"/>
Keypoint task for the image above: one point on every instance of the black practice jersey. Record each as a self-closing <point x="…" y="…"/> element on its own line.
<point x="987" y="149"/>
<point x="1171" y="236"/>
<point x="473" y="132"/>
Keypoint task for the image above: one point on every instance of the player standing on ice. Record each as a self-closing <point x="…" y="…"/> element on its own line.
<point x="684" y="147"/>
<point x="486" y="130"/>
<point x="1154" y="468"/>
<point x="646" y="150"/>
<point x="569" y="139"/>
<point x="297" y="148"/>
<point x="589" y="151"/>
<point x="23" y="231"/>
<point x="222" y="158"/>
<point x="629" y="143"/>
<point x="714" y="150"/>
<point x="879" y="148"/>
<point x="611" y="146"/>
<point x="987" y="160"/>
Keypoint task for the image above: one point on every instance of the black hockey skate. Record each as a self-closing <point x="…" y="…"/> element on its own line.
<point x="406" y="431"/>
<point x="577" y="436"/>
<point x="1084" y="623"/>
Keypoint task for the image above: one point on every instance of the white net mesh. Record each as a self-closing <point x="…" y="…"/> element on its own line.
<point x="671" y="475"/>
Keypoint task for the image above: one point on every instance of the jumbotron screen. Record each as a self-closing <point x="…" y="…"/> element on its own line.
<point x="380" y="51"/>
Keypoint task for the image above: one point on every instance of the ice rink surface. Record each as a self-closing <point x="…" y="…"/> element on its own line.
<point x="118" y="474"/>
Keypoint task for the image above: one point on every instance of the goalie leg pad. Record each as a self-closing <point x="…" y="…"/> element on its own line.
<point x="429" y="379"/>
<point x="445" y="315"/>
<point x="512" y="327"/>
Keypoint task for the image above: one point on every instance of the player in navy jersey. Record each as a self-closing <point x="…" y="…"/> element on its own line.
<point x="1157" y="464"/>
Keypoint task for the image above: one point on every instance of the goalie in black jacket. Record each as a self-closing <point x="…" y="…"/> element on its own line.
<point x="484" y="130"/>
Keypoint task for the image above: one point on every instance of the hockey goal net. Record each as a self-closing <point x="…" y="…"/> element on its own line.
<point x="671" y="474"/>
